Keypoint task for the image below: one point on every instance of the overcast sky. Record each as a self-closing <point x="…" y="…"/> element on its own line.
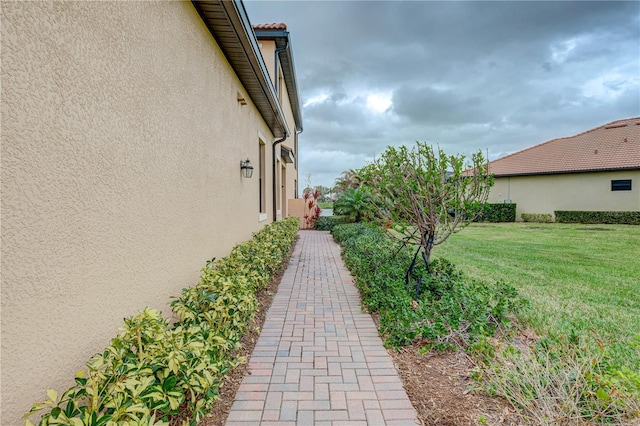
<point x="496" y="76"/>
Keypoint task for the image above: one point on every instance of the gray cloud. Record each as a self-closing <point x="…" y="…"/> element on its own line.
<point x="468" y="75"/>
<point x="439" y="107"/>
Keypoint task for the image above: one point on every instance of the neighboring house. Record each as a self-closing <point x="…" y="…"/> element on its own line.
<point x="598" y="170"/>
<point x="124" y="125"/>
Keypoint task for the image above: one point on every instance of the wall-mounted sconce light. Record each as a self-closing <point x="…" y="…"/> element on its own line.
<point x="246" y="168"/>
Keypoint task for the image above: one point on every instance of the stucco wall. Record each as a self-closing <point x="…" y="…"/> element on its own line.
<point x="291" y="173"/>
<point x="268" y="48"/>
<point x="121" y="143"/>
<point x="298" y="208"/>
<point x="580" y="191"/>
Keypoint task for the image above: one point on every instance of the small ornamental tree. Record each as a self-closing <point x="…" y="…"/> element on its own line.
<point x="425" y="195"/>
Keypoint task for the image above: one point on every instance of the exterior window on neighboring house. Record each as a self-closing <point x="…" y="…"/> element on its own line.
<point x="263" y="183"/>
<point x="621" y="185"/>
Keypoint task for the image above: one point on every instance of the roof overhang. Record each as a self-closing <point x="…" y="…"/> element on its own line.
<point x="287" y="154"/>
<point x="567" y="172"/>
<point x="283" y="41"/>
<point x="228" y="23"/>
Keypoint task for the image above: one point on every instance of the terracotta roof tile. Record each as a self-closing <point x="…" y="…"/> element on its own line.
<point x="613" y="146"/>
<point x="274" y="26"/>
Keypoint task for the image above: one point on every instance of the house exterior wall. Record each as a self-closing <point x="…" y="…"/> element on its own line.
<point x="121" y="142"/>
<point x="291" y="175"/>
<point x="268" y="48"/>
<point x="578" y="191"/>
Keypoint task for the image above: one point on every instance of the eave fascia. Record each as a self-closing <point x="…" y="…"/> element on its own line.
<point x="234" y="31"/>
<point x="567" y="172"/>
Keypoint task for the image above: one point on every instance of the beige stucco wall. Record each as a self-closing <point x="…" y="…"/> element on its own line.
<point x="298" y="208"/>
<point x="580" y="191"/>
<point x="291" y="172"/>
<point x="267" y="48"/>
<point x="121" y="143"/>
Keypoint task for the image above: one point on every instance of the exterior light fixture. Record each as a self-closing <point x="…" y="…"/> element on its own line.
<point x="246" y="168"/>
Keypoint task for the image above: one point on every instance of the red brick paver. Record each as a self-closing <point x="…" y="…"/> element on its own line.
<point x="319" y="359"/>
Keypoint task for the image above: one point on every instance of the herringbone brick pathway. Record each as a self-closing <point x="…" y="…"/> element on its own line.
<point x="319" y="359"/>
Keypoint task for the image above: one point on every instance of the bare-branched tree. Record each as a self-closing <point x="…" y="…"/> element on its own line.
<point x="425" y="195"/>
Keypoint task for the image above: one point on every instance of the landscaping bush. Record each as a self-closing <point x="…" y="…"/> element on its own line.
<point x="449" y="311"/>
<point x="610" y="217"/>
<point x="326" y="223"/>
<point x="356" y="204"/>
<point x="155" y="369"/>
<point x="537" y="217"/>
<point x="497" y="212"/>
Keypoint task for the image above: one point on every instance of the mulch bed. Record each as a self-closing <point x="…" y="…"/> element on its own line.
<point x="441" y="390"/>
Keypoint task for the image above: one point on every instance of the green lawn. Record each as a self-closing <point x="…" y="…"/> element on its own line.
<point x="579" y="278"/>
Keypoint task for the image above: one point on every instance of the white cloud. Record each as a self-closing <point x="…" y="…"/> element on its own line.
<point x="379" y="102"/>
<point x="610" y="85"/>
<point x="560" y="51"/>
<point x="318" y="99"/>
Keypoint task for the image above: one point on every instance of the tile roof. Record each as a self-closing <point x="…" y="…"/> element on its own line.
<point x="613" y="146"/>
<point x="274" y="26"/>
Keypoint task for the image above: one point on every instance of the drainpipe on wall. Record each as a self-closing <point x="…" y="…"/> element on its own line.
<point x="276" y="62"/>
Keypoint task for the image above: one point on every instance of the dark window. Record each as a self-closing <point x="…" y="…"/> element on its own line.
<point x="262" y="179"/>
<point x="621" y="185"/>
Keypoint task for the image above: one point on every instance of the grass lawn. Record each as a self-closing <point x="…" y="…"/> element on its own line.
<point x="326" y="205"/>
<point x="579" y="278"/>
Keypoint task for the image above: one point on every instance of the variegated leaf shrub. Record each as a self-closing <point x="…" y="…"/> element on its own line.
<point x="156" y="369"/>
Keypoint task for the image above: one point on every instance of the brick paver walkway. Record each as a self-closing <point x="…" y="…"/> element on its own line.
<point x="319" y="359"/>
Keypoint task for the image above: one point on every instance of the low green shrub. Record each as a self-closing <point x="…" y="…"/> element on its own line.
<point x="154" y="370"/>
<point x="497" y="212"/>
<point x="537" y="217"/>
<point x="609" y="217"/>
<point x="326" y="223"/>
<point x="449" y="310"/>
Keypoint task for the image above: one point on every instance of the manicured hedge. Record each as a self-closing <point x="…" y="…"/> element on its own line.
<point x="537" y="217"/>
<point x="610" y="217"/>
<point x="157" y="368"/>
<point x="498" y="212"/>
<point x="326" y="223"/>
